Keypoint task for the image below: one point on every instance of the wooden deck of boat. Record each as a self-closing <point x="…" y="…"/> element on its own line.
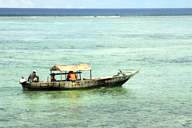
<point x="80" y="84"/>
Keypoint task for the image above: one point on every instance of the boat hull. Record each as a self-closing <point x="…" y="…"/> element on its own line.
<point x="79" y="84"/>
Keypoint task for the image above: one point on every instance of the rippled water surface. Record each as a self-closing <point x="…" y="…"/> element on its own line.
<point x="160" y="96"/>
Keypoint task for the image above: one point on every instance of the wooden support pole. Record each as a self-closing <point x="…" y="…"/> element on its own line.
<point x="65" y="76"/>
<point x="90" y="74"/>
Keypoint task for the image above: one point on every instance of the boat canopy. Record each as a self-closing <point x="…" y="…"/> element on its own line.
<point x="79" y="67"/>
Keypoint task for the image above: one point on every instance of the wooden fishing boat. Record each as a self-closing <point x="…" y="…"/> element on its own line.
<point x="80" y="83"/>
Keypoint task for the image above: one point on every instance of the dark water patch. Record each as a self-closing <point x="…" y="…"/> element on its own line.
<point x="181" y="60"/>
<point x="169" y="36"/>
<point x="163" y="36"/>
<point x="18" y="42"/>
<point x="100" y="46"/>
<point x="2" y="109"/>
<point x="4" y="120"/>
<point x="13" y="63"/>
<point x="20" y="45"/>
<point x="116" y="91"/>
<point x="45" y="44"/>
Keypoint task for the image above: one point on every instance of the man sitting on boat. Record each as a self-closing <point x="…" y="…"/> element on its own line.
<point x="22" y="80"/>
<point x="53" y="77"/>
<point x="33" y="77"/>
<point x="72" y="76"/>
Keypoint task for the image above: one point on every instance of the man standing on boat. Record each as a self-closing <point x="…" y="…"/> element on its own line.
<point x="33" y="77"/>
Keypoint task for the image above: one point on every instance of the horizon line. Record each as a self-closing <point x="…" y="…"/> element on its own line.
<point x="89" y="8"/>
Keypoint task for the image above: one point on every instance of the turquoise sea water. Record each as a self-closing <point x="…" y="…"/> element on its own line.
<point x="160" y="96"/>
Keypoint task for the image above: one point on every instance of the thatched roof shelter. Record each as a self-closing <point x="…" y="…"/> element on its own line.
<point x="63" y="68"/>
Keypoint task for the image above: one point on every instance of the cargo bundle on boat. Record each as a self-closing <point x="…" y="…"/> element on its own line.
<point x="71" y="78"/>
